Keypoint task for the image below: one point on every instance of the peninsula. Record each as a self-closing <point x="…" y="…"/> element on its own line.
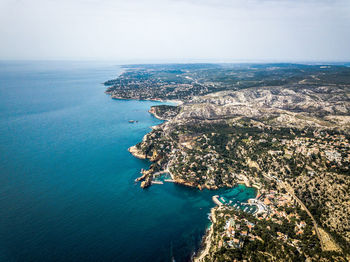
<point x="282" y="128"/>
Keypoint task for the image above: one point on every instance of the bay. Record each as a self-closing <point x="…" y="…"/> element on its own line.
<point x="67" y="190"/>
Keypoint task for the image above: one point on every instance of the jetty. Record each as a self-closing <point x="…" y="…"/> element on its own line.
<point x="169" y="180"/>
<point x="157" y="182"/>
<point x="216" y="200"/>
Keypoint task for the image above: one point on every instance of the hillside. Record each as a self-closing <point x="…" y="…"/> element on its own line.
<point x="277" y="127"/>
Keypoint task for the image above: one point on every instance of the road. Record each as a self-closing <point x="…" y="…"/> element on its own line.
<point x="290" y="190"/>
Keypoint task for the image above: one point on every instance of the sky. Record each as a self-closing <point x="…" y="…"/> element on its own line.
<point x="175" y="30"/>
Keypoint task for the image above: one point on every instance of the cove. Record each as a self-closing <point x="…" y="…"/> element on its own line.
<point x="67" y="190"/>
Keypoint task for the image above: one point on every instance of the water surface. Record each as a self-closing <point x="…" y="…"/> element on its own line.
<point x="67" y="190"/>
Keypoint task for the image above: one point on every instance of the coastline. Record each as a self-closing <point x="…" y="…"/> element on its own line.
<point x="176" y="102"/>
<point x="205" y="245"/>
<point x="206" y="240"/>
<point x="146" y="180"/>
<point x="149" y="173"/>
<point x="152" y="112"/>
<point x="136" y="153"/>
<point x="147" y="177"/>
<point x="162" y="148"/>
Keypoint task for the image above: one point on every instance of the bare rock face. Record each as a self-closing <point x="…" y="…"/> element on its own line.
<point x="284" y="106"/>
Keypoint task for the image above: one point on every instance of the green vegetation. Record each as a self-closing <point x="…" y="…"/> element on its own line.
<point x="282" y="127"/>
<point x="183" y="81"/>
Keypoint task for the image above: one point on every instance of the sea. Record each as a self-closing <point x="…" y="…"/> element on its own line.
<point x="67" y="190"/>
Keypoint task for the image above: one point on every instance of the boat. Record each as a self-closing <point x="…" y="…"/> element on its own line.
<point x="171" y="252"/>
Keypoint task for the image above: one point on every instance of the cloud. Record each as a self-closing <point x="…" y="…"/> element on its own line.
<point x="175" y="29"/>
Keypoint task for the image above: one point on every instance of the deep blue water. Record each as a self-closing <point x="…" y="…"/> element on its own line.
<point x="67" y="190"/>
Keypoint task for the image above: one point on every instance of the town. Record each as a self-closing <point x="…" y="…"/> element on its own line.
<point x="287" y="134"/>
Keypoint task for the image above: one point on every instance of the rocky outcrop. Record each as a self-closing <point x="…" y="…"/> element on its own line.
<point x="137" y="152"/>
<point x="164" y="112"/>
<point x="146" y="183"/>
<point x="146" y="178"/>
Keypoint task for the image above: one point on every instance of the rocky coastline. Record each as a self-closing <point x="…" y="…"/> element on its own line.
<point x="206" y="239"/>
<point x="153" y="112"/>
<point x="136" y="152"/>
<point x="289" y="137"/>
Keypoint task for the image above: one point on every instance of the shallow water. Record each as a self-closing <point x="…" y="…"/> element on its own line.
<point x="67" y="190"/>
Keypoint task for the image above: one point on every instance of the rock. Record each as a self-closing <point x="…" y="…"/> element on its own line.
<point x="136" y="152"/>
<point x="146" y="183"/>
<point x="141" y="177"/>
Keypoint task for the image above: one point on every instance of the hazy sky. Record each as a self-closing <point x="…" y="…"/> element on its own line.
<point x="176" y="30"/>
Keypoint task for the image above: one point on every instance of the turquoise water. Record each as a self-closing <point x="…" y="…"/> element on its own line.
<point x="67" y="190"/>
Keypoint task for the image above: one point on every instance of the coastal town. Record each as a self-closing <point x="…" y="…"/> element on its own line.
<point x="286" y="135"/>
<point x="175" y="131"/>
<point x="277" y="221"/>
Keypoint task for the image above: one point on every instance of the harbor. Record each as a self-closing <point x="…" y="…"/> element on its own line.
<point x="245" y="207"/>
